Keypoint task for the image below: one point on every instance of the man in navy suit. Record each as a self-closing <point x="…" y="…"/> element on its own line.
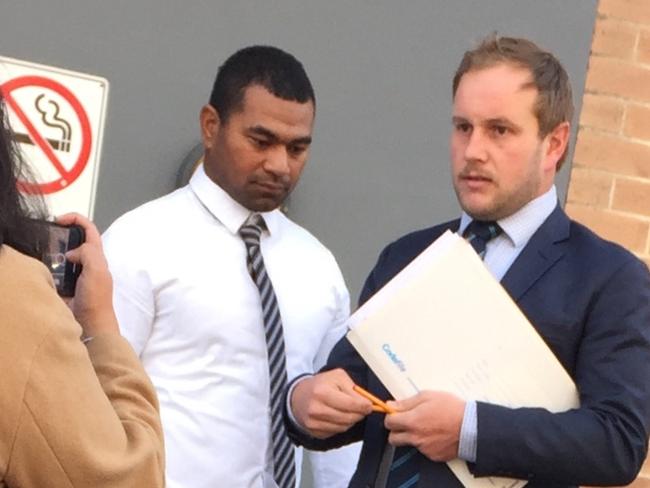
<point x="588" y="298"/>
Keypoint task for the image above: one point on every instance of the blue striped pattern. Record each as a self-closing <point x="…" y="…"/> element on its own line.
<point x="404" y="470"/>
<point x="479" y="232"/>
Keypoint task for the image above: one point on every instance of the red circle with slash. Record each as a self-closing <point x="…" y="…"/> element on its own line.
<point x="66" y="177"/>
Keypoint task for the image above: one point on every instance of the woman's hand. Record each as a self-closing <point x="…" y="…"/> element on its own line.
<point x="92" y="304"/>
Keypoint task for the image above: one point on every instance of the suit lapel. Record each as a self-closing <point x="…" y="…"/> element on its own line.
<point x="543" y="250"/>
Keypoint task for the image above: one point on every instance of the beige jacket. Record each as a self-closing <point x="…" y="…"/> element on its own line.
<point x="70" y="416"/>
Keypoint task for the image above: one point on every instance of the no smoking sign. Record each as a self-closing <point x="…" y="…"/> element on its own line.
<point x="58" y="118"/>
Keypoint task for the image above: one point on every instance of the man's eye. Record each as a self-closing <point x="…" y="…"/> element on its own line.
<point x="296" y="150"/>
<point x="260" y="143"/>
<point x="500" y="130"/>
<point x="463" y="127"/>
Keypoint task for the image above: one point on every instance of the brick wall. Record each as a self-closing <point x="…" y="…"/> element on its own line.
<point x="609" y="188"/>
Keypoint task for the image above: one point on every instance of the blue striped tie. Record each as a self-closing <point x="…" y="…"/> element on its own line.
<point x="479" y="232"/>
<point x="284" y="471"/>
<point x="405" y="468"/>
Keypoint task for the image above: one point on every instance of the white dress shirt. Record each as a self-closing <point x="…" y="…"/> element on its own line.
<point x="185" y="301"/>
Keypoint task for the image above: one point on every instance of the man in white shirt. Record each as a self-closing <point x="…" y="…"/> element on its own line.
<point x="188" y="305"/>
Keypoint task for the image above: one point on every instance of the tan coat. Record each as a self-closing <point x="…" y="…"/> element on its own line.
<point x="70" y="416"/>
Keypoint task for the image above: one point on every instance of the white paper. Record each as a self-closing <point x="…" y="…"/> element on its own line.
<point x="444" y="323"/>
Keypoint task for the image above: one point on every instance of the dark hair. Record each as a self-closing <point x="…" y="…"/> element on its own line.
<point x="17" y="227"/>
<point x="554" y="103"/>
<point x="272" y="68"/>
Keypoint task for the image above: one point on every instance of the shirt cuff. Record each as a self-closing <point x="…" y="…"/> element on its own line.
<point x="292" y="419"/>
<point x="468" y="433"/>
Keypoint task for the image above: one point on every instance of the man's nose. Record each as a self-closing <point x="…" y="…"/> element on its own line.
<point x="476" y="148"/>
<point x="277" y="161"/>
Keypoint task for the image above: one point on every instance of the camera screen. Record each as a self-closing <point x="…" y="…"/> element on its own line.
<point x="54" y="258"/>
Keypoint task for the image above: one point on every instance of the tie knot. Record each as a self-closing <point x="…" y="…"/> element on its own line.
<point x="479" y="232"/>
<point x="483" y="229"/>
<point x="251" y="230"/>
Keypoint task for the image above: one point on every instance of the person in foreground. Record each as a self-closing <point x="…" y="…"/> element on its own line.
<point x="223" y="297"/>
<point x="73" y="414"/>
<point x="589" y="299"/>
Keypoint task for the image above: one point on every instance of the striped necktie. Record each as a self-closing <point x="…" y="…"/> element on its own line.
<point x="404" y="469"/>
<point x="283" y="454"/>
<point x="479" y="232"/>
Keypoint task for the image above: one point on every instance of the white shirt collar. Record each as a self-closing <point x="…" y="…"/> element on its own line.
<point x="520" y="226"/>
<point x="223" y="207"/>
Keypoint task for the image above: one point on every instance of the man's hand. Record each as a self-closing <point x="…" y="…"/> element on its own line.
<point x="429" y="421"/>
<point x="326" y="404"/>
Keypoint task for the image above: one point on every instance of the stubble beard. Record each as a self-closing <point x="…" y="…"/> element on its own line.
<point x="503" y="205"/>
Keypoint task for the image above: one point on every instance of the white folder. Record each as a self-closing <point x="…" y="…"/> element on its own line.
<point x="444" y="323"/>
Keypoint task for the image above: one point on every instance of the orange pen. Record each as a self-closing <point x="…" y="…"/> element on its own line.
<point x="377" y="404"/>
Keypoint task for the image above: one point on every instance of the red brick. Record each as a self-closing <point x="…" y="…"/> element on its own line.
<point x="643" y="49"/>
<point x="599" y="150"/>
<point x="637" y="122"/>
<point x="629" y="232"/>
<point x="632" y="196"/>
<point x="619" y="78"/>
<point x="590" y="187"/>
<point x="614" y="38"/>
<point x="602" y="112"/>
<point x="632" y="10"/>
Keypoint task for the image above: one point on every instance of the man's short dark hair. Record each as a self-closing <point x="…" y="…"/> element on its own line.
<point x="272" y="68"/>
<point x="554" y="103"/>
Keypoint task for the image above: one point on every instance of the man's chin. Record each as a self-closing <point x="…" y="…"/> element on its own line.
<point x="264" y="204"/>
<point x="478" y="210"/>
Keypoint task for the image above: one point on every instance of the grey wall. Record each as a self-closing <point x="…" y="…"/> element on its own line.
<point x="381" y="70"/>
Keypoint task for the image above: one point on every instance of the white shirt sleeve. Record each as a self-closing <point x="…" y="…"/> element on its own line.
<point x="339" y="322"/>
<point x="133" y="296"/>
<point x="333" y="469"/>
<point x="468" y="433"/>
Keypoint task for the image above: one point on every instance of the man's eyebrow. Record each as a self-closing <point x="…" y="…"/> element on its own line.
<point x="304" y="141"/>
<point x="499" y="121"/>
<point x="273" y="137"/>
<point x="457" y="119"/>
<point x="262" y="131"/>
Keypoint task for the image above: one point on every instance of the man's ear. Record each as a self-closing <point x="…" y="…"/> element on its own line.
<point x="210" y="123"/>
<point x="558" y="140"/>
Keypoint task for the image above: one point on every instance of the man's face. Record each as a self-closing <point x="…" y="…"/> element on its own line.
<point x="257" y="155"/>
<point x="499" y="163"/>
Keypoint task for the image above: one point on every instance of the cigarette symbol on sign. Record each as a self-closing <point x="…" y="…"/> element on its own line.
<point x="78" y="154"/>
<point x="50" y="116"/>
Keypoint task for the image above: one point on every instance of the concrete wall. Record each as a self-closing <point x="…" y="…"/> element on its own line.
<point x="381" y="70"/>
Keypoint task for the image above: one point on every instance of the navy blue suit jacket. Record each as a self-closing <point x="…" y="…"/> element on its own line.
<point x="590" y="301"/>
